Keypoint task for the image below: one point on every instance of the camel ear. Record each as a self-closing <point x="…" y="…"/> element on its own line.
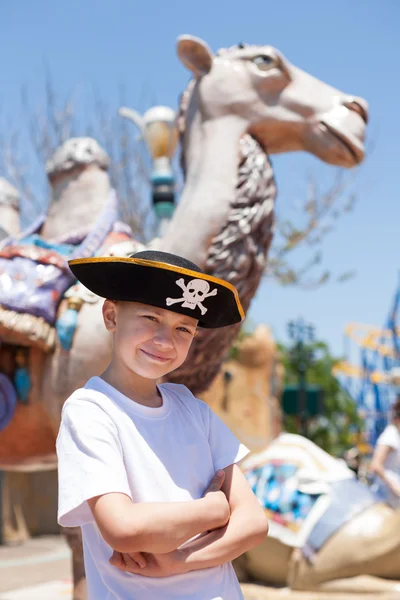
<point x="195" y="54"/>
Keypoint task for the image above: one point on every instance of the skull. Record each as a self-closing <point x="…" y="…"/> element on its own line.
<point x="196" y="290"/>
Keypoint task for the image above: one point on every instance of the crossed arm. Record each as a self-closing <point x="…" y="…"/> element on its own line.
<point x="229" y="518"/>
<point x="247" y="527"/>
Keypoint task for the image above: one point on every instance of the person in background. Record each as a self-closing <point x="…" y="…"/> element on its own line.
<point x="385" y="463"/>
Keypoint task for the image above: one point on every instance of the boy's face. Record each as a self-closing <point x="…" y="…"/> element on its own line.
<point x="149" y="341"/>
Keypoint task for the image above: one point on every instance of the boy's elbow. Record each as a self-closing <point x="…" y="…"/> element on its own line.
<point x="122" y="539"/>
<point x="256" y="526"/>
<point x="140" y="540"/>
<point x="121" y="543"/>
<point x="124" y="543"/>
<point x="260" y="527"/>
<point x="116" y="522"/>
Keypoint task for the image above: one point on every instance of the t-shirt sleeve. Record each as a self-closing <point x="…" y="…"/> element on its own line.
<point x="390" y="437"/>
<point x="226" y="449"/>
<point x="90" y="461"/>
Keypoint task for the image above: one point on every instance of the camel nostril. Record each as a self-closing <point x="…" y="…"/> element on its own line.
<point x="359" y="106"/>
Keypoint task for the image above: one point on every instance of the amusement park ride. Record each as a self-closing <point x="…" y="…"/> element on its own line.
<point x="375" y="381"/>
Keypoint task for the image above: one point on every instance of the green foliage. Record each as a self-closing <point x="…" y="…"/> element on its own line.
<point x="334" y="430"/>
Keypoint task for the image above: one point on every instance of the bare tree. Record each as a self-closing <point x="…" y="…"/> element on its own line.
<point x="316" y="216"/>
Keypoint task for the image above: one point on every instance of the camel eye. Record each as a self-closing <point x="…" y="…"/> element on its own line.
<point x="227" y="377"/>
<point x="263" y="62"/>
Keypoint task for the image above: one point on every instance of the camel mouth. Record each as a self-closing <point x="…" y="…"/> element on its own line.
<point x="352" y="146"/>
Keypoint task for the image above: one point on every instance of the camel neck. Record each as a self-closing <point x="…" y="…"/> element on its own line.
<point x="213" y="154"/>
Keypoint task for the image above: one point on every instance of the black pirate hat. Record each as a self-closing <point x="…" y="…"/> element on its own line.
<point x="163" y="280"/>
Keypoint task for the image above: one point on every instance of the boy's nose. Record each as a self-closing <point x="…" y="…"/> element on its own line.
<point x="163" y="338"/>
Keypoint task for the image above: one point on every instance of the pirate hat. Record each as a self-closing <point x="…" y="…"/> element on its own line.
<point x="163" y="280"/>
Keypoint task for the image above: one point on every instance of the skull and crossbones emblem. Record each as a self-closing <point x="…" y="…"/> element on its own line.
<point x="194" y="293"/>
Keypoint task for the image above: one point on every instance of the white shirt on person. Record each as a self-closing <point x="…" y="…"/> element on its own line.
<point x="109" y="443"/>
<point x="390" y="437"/>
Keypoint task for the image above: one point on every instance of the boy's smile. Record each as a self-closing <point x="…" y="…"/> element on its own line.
<point x="156" y="357"/>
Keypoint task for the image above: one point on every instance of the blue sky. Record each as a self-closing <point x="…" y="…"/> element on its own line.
<point x="353" y="46"/>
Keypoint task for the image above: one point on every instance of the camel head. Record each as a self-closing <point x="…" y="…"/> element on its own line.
<point x="283" y="107"/>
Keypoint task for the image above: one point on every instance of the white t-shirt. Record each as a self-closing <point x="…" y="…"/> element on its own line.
<point x="390" y="437"/>
<point x="109" y="443"/>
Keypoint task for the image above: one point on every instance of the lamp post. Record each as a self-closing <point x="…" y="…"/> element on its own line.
<point x="301" y="333"/>
<point x="158" y="129"/>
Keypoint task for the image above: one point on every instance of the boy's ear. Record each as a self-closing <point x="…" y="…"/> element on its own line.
<point x="110" y="314"/>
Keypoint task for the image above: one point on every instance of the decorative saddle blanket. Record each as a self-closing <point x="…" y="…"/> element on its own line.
<point x="275" y="486"/>
<point x="34" y="276"/>
<point x="306" y="493"/>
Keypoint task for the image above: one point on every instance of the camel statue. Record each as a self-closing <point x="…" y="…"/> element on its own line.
<point x="309" y="546"/>
<point x="242" y="103"/>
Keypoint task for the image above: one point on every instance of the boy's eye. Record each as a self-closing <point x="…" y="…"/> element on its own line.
<point x="184" y="329"/>
<point x="151" y="318"/>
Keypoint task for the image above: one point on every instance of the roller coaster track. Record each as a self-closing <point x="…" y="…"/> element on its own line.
<point x="373" y="382"/>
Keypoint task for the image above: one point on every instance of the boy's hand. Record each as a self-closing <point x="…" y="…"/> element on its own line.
<point x="218" y="501"/>
<point x="125" y="562"/>
<point x="160" y="565"/>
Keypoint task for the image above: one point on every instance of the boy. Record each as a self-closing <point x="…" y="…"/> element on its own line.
<point x="136" y="458"/>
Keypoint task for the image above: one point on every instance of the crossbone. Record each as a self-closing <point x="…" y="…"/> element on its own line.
<point x="194" y="293"/>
